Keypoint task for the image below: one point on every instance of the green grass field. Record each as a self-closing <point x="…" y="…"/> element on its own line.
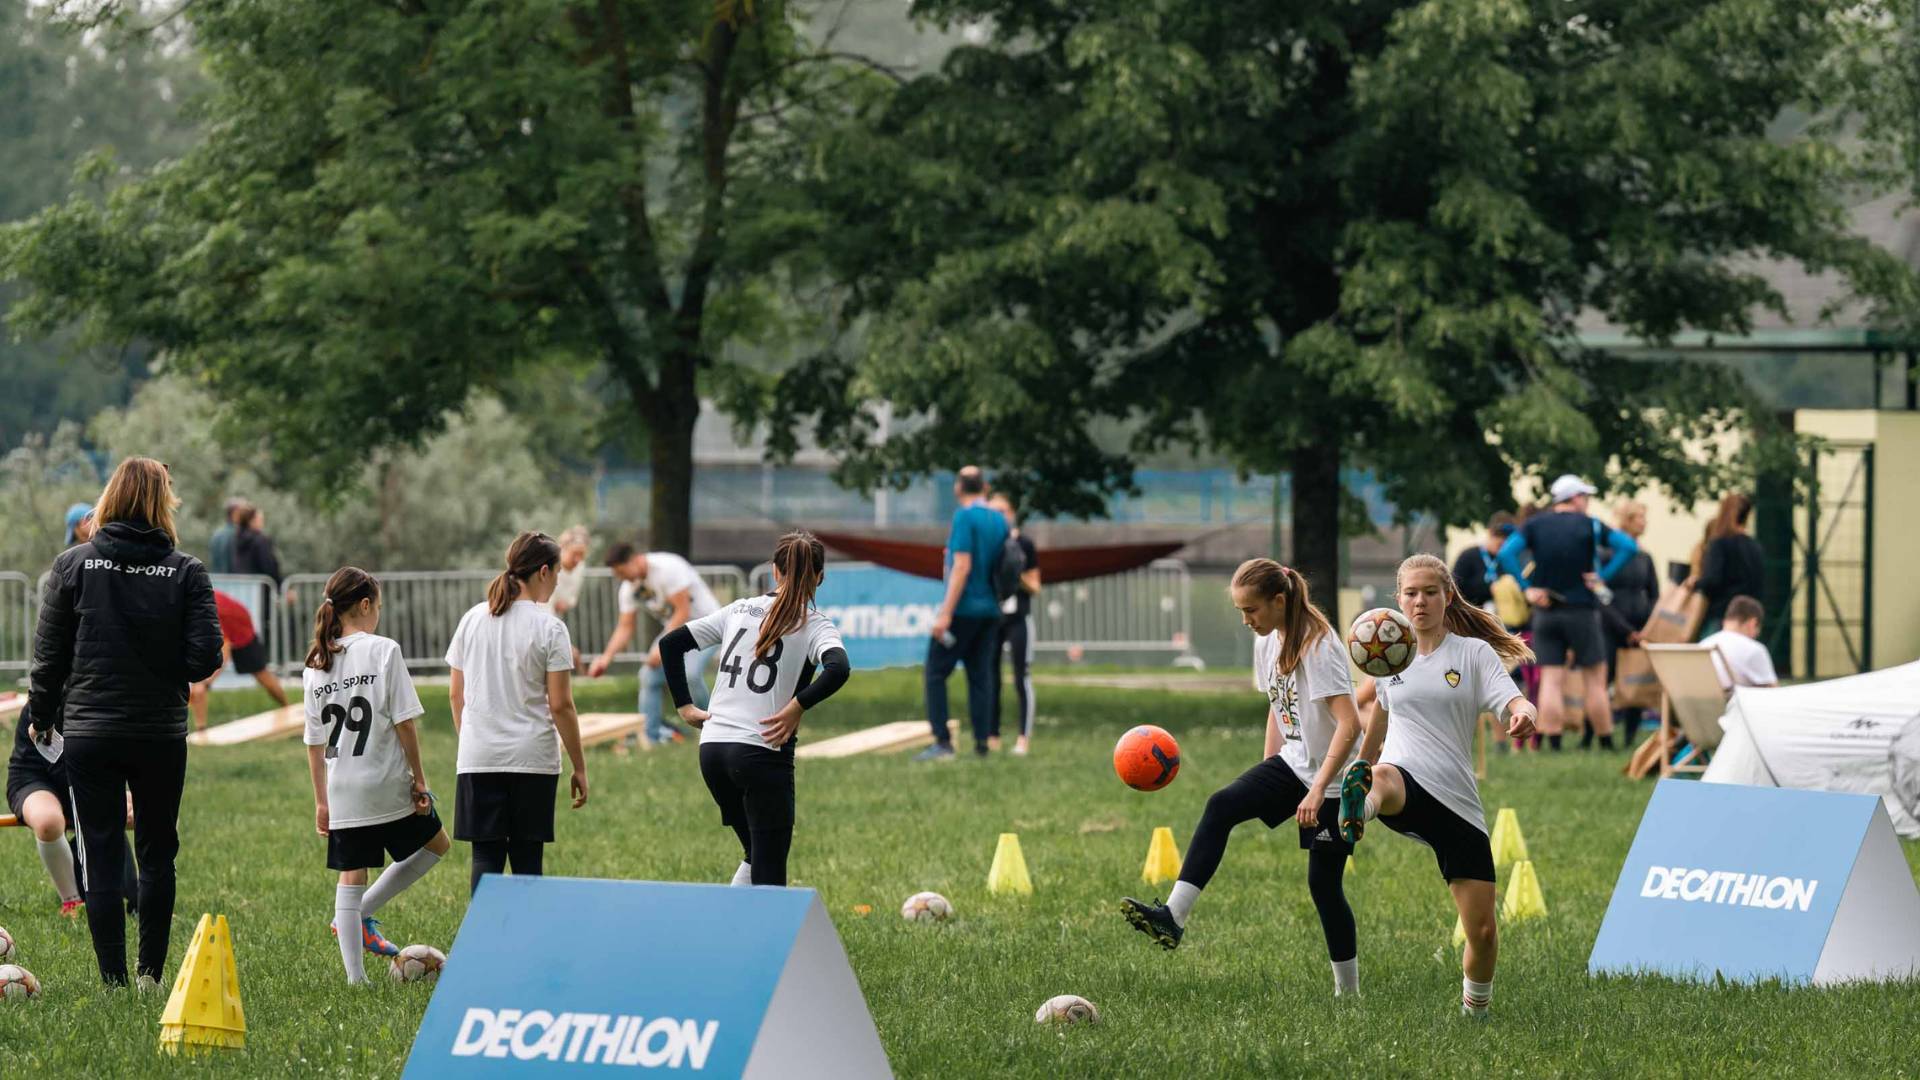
<point x="1247" y="994"/>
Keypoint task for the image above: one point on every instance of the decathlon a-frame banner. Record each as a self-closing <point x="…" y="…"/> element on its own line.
<point x="1754" y="883"/>
<point x="564" y="976"/>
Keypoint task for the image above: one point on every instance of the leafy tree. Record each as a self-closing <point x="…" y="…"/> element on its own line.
<point x="1310" y="235"/>
<point x="397" y="205"/>
<point x="67" y="98"/>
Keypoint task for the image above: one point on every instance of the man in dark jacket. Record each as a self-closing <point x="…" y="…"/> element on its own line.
<point x="127" y="624"/>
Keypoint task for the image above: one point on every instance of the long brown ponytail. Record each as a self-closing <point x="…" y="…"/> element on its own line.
<point x="801" y="559"/>
<point x="530" y="553"/>
<point x="1301" y="623"/>
<point x="1463" y="618"/>
<point x="348" y="586"/>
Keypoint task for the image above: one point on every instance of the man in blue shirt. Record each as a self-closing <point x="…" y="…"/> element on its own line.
<point x="966" y="629"/>
<point x="1566" y="619"/>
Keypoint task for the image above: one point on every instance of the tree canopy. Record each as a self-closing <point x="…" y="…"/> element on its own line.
<point x="397" y="206"/>
<point x="1309" y="235"/>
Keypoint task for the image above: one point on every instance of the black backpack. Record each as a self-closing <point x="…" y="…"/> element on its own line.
<point x="1007" y="570"/>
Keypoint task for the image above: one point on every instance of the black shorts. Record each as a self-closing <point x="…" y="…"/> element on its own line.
<point x="1276" y="790"/>
<point x="19" y="789"/>
<point x="505" y="806"/>
<point x="1463" y="851"/>
<point x="745" y="778"/>
<point x="1562" y="634"/>
<point x="364" y="847"/>
<point x="251" y="658"/>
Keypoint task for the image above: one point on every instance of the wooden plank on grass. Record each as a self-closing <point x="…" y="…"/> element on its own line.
<point x="887" y="738"/>
<point x="273" y="724"/>
<point x="606" y="727"/>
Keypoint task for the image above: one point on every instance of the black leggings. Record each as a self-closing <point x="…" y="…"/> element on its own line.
<point x="529" y="857"/>
<point x="102" y="771"/>
<point x="753" y="786"/>
<point x="1016" y="637"/>
<point x="1271" y="793"/>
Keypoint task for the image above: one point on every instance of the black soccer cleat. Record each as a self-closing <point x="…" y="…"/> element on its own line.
<point x="1153" y="920"/>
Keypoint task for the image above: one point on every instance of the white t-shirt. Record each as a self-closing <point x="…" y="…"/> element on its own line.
<point x="1433" y="707"/>
<point x="1301" y="700"/>
<point x="566" y="585"/>
<point x="352" y="710"/>
<point x="667" y="575"/>
<point x="1749" y="660"/>
<point x="506" y="726"/>
<point x="748" y="689"/>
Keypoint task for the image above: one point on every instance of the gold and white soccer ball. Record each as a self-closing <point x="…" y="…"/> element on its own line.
<point x="417" y="963"/>
<point x="17" y="982"/>
<point x="1381" y="642"/>
<point x="1067" y="1009"/>
<point x="926" y="907"/>
<point x="6" y="945"/>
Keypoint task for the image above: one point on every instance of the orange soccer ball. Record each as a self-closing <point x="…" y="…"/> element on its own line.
<point x="1147" y="758"/>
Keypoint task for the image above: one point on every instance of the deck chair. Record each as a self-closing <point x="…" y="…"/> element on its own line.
<point x="1691" y="701"/>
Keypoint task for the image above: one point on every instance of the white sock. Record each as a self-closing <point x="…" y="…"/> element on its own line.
<point x="1475" y="996"/>
<point x="396" y="878"/>
<point x="58" y="859"/>
<point x="1373" y="806"/>
<point x="346" y="923"/>
<point x="1180" y="901"/>
<point x="1346" y="976"/>
<point x="742" y="876"/>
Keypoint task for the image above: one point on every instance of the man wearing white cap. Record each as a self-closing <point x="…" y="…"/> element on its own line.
<point x="1566" y="620"/>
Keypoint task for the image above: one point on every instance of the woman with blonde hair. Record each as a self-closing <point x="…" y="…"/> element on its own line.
<point x="1424" y="788"/>
<point x="127" y="625"/>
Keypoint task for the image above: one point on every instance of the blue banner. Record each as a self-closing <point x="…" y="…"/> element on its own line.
<point x="1739" y="881"/>
<point x="885" y="616"/>
<point x="557" y="976"/>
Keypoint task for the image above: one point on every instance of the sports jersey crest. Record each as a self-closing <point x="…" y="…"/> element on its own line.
<point x="1453" y="677"/>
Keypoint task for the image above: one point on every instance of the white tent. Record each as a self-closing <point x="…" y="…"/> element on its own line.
<point x="1860" y="733"/>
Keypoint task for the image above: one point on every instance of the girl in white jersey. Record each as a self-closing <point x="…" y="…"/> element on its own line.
<point x="772" y="647"/>
<point x="1424" y="788"/>
<point x="1300" y="665"/>
<point x="370" y="793"/>
<point x="512" y="692"/>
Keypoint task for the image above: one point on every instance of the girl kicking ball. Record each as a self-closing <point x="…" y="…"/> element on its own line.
<point x="512" y="666"/>
<point x="772" y="647"/>
<point x="370" y="791"/>
<point x="1424" y="786"/>
<point x="1300" y="663"/>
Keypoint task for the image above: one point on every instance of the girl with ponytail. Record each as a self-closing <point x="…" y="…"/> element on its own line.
<point x="512" y="667"/>
<point x="1312" y="727"/>
<point x="780" y="657"/>
<point x="1424" y="785"/>
<point x="370" y="793"/>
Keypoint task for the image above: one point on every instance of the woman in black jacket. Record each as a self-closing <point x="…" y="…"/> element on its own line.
<point x="127" y="624"/>
<point x="1732" y="562"/>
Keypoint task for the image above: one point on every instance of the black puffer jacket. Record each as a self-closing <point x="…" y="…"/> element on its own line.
<point x="126" y="623"/>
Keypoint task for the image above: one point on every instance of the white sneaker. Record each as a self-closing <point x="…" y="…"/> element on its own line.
<point x="145" y="983"/>
<point x="1020" y="747"/>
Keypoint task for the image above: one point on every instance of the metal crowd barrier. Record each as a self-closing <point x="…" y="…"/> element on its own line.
<point x="421" y="608"/>
<point x="1141" y="611"/>
<point x="17" y="600"/>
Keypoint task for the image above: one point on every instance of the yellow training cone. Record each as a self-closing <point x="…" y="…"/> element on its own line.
<point x="204" y="1009"/>
<point x="1163" y="859"/>
<point x="1009" y="872"/>
<point x="1459" y="932"/>
<point x="1509" y="846"/>
<point x="1524" y="900"/>
<point x="1352" y="867"/>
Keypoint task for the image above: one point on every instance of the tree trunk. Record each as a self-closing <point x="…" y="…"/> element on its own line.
<point x="1316" y="522"/>
<point x="671" y="448"/>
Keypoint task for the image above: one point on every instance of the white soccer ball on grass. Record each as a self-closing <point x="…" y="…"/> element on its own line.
<point x="1067" y="1009"/>
<point x="926" y="907"/>
<point x="417" y="963"/>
